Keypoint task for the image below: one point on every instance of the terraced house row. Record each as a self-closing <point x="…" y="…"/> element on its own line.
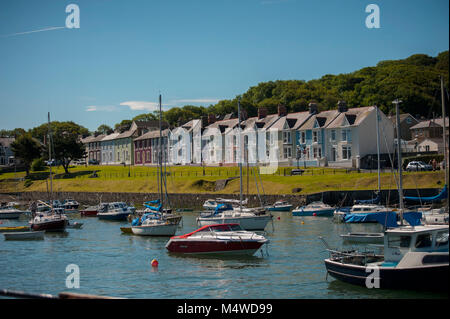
<point x="341" y="137"/>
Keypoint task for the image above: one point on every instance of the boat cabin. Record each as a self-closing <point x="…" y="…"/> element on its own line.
<point x="366" y="208"/>
<point x="399" y="241"/>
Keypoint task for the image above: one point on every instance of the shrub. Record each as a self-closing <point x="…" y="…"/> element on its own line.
<point x="38" y="165"/>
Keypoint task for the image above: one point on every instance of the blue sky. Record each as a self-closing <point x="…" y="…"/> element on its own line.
<point x="192" y="52"/>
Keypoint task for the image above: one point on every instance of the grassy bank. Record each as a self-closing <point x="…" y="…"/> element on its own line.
<point x="185" y="179"/>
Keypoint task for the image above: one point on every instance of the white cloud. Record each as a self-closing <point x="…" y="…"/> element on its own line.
<point x="141" y="105"/>
<point x="105" y="108"/>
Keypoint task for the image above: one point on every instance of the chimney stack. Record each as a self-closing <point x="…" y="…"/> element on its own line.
<point x="243" y="115"/>
<point x="282" y="110"/>
<point x="312" y="108"/>
<point x="204" y="121"/>
<point x="262" y="112"/>
<point x="211" y="119"/>
<point x="342" y="106"/>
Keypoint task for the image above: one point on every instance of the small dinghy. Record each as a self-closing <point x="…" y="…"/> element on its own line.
<point x="75" y="225"/>
<point x="14" y="229"/>
<point x="29" y="235"/>
<point x="372" y="238"/>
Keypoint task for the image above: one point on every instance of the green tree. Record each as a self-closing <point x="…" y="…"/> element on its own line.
<point x="104" y="129"/>
<point x="67" y="147"/>
<point x="26" y="148"/>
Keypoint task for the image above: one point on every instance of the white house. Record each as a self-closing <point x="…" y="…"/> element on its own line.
<point x="213" y="140"/>
<point x="185" y="143"/>
<point x="353" y="135"/>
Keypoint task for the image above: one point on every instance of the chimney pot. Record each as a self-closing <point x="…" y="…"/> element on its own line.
<point x="282" y="110"/>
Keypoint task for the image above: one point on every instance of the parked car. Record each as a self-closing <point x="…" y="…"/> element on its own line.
<point x="418" y="166"/>
<point x="93" y="162"/>
<point x="79" y="162"/>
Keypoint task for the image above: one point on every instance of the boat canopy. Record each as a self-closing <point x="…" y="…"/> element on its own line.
<point x="154" y="208"/>
<point x="375" y="200"/>
<point x="442" y="195"/>
<point x="222" y="207"/>
<point x="387" y="219"/>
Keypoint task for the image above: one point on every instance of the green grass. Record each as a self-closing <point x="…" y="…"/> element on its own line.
<point x="188" y="179"/>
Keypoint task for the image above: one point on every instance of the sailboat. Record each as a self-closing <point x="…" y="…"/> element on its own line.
<point x="53" y="219"/>
<point x="415" y="256"/>
<point x="157" y="221"/>
<point x="437" y="215"/>
<point x="225" y="213"/>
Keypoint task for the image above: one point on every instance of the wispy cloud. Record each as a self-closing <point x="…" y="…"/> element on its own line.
<point x="104" y="108"/>
<point x="144" y="105"/>
<point x="33" y="31"/>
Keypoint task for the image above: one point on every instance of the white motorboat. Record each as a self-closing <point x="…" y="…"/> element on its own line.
<point x="435" y="216"/>
<point x="29" y="235"/>
<point x="211" y="204"/>
<point x="53" y="220"/>
<point x="314" y="209"/>
<point x="154" y="224"/>
<point x="115" y="211"/>
<point x="70" y="205"/>
<point x="10" y="212"/>
<point x="248" y="218"/>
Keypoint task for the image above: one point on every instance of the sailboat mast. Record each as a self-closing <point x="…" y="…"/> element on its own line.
<point x="399" y="154"/>
<point x="160" y="177"/>
<point x="240" y="153"/>
<point x="444" y="136"/>
<point x="378" y="149"/>
<point x="50" y="159"/>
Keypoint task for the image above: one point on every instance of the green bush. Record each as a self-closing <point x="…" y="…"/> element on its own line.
<point x="38" y="165"/>
<point x="28" y="183"/>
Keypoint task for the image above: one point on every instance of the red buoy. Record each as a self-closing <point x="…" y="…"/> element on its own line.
<point x="314" y="214"/>
<point x="154" y="263"/>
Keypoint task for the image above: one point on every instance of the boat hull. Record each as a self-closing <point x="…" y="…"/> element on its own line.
<point x="322" y="213"/>
<point x="88" y="213"/>
<point x="29" y="235"/>
<point x="156" y="230"/>
<point x="280" y="209"/>
<point x="213" y="247"/>
<point x="117" y="217"/>
<point x="432" y="278"/>
<point x="10" y="215"/>
<point x="248" y="223"/>
<point x="54" y="225"/>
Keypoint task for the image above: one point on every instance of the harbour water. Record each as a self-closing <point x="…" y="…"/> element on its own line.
<point x="118" y="265"/>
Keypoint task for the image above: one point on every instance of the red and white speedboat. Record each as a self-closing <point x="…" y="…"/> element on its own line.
<point x="217" y="239"/>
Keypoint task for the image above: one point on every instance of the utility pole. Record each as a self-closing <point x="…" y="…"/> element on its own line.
<point x="240" y="153"/>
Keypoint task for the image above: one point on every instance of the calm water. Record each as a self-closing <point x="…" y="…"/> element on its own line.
<point x="116" y="264"/>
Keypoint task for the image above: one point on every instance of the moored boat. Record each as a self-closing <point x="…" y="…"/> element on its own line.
<point x="117" y="211"/>
<point x="414" y="258"/>
<point x="14" y="229"/>
<point x="29" y="235"/>
<point x="52" y="221"/>
<point x="153" y="224"/>
<point x="314" y="209"/>
<point x="282" y="206"/>
<point x="248" y="218"/>
<point x="10" y="212"/>
<point x="217" y="239"/>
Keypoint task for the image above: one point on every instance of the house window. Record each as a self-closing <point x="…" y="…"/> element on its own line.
<point x="427" y="148"/>
<point x="180" y="152"/>
<point x="234" y="139"/>
<point x="303" y="137"/>
<point x="287" y="152"/>
<point x="344" y="135"/>
<point x="315" y="136"/>
<point x="346" y="152"/>
<point x="333" y="135"/>
<point x="286" y="137"/>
